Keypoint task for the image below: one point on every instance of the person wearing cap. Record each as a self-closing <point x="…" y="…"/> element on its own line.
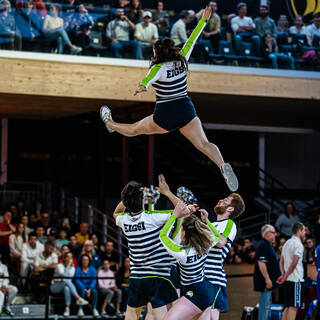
<point x="242" y="26"/>
<point x="118" y="32"/>
<point x="266" y="271"/>
<point x="146" y="32"/>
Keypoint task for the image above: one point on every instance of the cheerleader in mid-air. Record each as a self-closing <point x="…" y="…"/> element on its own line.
<point x="174" y="109"/>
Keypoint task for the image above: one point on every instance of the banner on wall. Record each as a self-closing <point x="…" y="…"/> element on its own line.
<point x="305" y="8"/>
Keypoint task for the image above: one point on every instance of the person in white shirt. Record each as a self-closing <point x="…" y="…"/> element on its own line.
<point x="242" y="26"/>
<point x="292" y="271"/>
<point x="6" y="291"/>
<point x="43" y="267"/>
<point x="66" y="269"/>
<point x="29" y="250"/>
<point x="313" y="30"/>
<point x="298" y="27"/>
<point x="146" y="32"/>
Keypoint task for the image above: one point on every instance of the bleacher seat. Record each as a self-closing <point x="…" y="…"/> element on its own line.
<point x="226" y="51"/>
<point x="247" y="50"/>
<point x="282" y="38"/>
<point x="299" y="38"/>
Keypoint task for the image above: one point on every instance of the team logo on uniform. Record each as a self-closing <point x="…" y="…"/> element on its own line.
<point x="306" y="8"/>
<point x="189" y="294"/>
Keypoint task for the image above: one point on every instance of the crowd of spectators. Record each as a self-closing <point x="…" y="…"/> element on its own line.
<point x="36" y="246"/>
<point x="128" y="29"/>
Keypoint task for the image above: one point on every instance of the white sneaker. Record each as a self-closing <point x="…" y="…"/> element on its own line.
<point x="105" y="114"/>
<point x="8" y="311"/>
<point x="82" y="302"/>
<point x="95" y="313"/>
<point x="75" y="50"/>
<point x="80" y="312"/>
<point x="118" y="314"/>
<point x="230" y="177"/>
<point x="103" y="313"/>
<point x="66" y="312"/>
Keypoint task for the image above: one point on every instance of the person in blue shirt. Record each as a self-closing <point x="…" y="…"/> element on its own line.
<point x="87" y="287"/>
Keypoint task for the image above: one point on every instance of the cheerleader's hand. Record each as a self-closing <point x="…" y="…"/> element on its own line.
<point x="140" y="89"/>
<point x="207" y="13"/>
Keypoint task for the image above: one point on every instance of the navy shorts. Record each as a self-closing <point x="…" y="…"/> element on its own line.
<point x="175" y="276"/>
<point x="174" y="114"/>
<point x="202" y="294"/>
<point x="220" y="298"/>
<point x="292" y="294"/>
<point x="159" y="291"/>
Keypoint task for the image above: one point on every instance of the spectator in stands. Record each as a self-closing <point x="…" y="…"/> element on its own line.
<point x="44" y="221"/>
<point x="83" y="234"/>
<point x="15" y="218"/>
<point x="213" y="27"/>
<point x="286" y="220"/>
<point x="316" y="230"/>
<point x="118" y="4"/>
<point x="6" y="230"/>
<point x="118" y="33"/>
<point x="292" y="271"/>
<point x="123" y="276"/>
<point x="161" y="19"/>
<point x="9" y="33"/>
<point x="96" y="244"/>
<point x="74" y="246"/>
<point x="16" y="242"/>
<point x="309" y="251"/>
<point x="53" y="27"/>
<point x="283" y="24"/>
<point x="65" y="249"/>
<point x="52" y="234"/>
<point x="298" y="27"/>
<point x="134" y="11"/>
<point x="179" y="31"/>
<point x="30" y="250"/>
<point x="248" y="251"/>
<point x="111" y="256"/>
<point x="108" y="288"/>
<point x="20" y="203"/>
<point x="33" y="220"/>
<point x="282" y="240"/>
<point x="43" y="267"/>
<point x="87" y="287"/>
<point x="146" y="32"/>
<point x="229" y="31"/>
<point x="25" y="222"/>
<point x="90" y="252"/>
<point x="39" y="8"/>
<point x="38" y="209"/>
<point x="8" y="292"/>
<point x="66" y="224"/>
<point x="80" y="26"/>
<point x="62" y="239"/>
<point x="264" y="24"/>
<point x="313" y="29"/>
<point x="272" y="52"/>
<point x="68" y="10"/>
<point x="55" y="219"/>
<point x="242" y="26"/>
<point x="66" y="269"/>
<point x="42" y="238"/>
<point x="266" y="271"/>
